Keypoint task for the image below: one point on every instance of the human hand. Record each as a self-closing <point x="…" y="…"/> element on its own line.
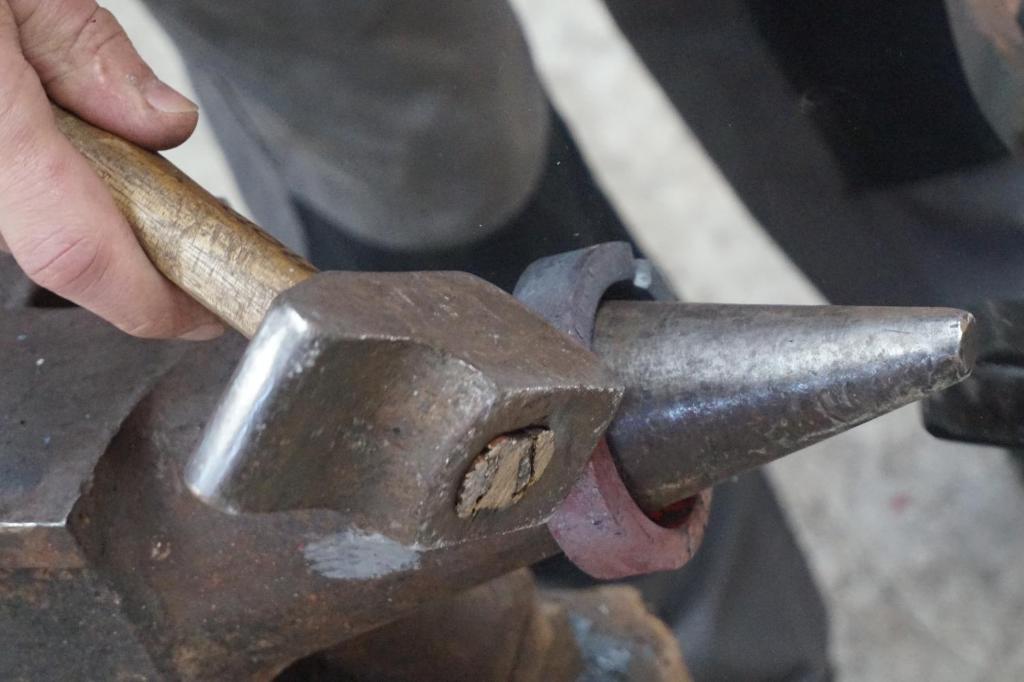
<point x="56" y="216"/>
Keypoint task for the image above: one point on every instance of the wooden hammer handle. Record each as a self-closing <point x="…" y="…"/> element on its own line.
<point x="222" y="260"/>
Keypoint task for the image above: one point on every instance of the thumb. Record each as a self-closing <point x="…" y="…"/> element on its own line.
<point x="88" y="65"/>
<point x="62" y="225"/>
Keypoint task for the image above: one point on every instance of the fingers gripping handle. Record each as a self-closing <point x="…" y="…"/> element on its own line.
<point x="222" y="260"/>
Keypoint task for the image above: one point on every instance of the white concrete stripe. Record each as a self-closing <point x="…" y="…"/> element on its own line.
<point x="657" y="175"/>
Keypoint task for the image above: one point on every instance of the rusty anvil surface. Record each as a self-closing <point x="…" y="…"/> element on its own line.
<point x="191" y="585"/>
<point x="111" y="569"/>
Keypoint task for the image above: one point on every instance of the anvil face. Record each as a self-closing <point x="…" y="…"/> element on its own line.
<point x="373" y="393"/>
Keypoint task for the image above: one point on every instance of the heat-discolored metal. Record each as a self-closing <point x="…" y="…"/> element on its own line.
<point x="599" y="526"/>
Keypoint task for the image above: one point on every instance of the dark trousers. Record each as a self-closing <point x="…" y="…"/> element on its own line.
<point x="746" y="607"/>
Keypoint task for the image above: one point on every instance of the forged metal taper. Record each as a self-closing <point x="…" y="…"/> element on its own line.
<point x="715" y="390"/>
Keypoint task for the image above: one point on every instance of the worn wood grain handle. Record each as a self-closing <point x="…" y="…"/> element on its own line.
<point x="222" y="260"/>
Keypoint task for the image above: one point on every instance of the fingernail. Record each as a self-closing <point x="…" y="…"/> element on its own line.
<point x="203" y="332"/>
<point x="163" y="97"/>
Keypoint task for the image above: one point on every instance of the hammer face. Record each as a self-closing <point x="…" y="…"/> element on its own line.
<point x="373" y="393"/>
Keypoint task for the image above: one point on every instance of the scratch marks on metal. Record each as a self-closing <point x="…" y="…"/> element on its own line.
<point x="353" y="555"/>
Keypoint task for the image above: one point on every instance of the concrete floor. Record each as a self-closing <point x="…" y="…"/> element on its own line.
<point x="914" y="541"/>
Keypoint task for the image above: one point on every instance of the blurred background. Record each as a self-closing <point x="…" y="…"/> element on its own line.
<point x="913" y="541"/>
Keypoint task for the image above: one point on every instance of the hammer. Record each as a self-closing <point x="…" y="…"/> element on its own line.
<point x="370" y="392"/>
<point x="380" y="394"/>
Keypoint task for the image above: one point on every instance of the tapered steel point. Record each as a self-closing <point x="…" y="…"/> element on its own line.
<point x="715" y="390"/>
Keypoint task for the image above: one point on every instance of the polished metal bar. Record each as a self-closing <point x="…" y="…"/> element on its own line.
<point x="715" y="390"/>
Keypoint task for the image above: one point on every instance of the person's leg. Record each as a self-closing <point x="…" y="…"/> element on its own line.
<point x="747" y="602"/>
<point x="747" y="606"/>
<point x="567" y="211"/>
<point x="414" y="126"/>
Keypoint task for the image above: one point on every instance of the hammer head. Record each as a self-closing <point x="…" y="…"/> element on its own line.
<point x="374" y="394"/>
